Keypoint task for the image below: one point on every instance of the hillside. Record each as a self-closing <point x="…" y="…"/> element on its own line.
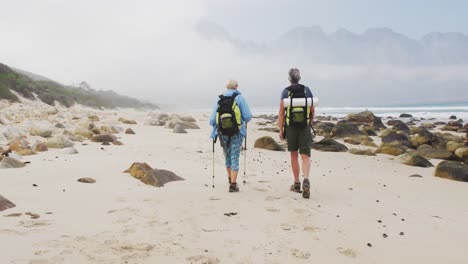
<point x="51" y="92"/>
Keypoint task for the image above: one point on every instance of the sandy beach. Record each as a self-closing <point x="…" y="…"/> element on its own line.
<point x="362" y="209"/>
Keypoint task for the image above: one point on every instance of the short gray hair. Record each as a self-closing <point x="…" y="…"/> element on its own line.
<point x="231" y="84"/>
<point x="294" y="75"/>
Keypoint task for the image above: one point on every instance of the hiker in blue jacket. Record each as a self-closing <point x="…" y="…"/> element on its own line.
<point x="231" y="138"/>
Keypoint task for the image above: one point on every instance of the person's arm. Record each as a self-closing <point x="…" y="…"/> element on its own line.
<point x="244" y="108"/>
<point x="213" y="115"/>
<point x="312" y="114"/>
<point x="281" y="120"/>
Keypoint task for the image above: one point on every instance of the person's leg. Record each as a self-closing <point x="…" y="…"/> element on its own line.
<point x="305" y="165"/>
<point x="235" y="149"/>
<point x="295" y="165"/>
<point x="305" y="141"/>
<point x="227" y="160"/>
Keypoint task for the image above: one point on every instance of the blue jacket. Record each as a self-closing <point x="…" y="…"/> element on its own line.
<point x="246" y="115"/>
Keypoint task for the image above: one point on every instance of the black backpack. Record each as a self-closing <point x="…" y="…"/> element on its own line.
<point x="226" y="118"/>
<point x="298" y="116"/>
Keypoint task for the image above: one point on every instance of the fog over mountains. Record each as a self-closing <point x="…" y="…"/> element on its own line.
<point x="374" y="46"/>
<point x="376" y="68"/>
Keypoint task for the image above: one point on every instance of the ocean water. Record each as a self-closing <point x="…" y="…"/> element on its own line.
<point x="424" y="111"/>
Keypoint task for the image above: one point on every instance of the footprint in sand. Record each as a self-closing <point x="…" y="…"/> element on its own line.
<point x="299" y="254"/>
<point x="347" y="252"/>
<point x="272" y="209"/>
<point x="201" y="259"/>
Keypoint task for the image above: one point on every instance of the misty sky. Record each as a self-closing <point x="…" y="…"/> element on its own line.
<point x="149" y="49"/>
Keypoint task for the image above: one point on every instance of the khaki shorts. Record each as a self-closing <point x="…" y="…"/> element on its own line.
<point x="299" y="138"/>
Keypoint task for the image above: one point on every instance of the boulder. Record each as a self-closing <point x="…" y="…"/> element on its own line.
<point x="109" y="130"/>
<point x="5" y="204"/>
<point x="58" y="142"/>
<point x="52" y="111"/>
<point x="117" y="143"/>
<point x="94" y="118"/>
<point x="103" y="138"/>
<point x="405" y="115"/>
<point x="95" y="130"/>
<point x="70" y="151"/>
<point x="369" y="131"/>
<point x="59" y="125"/>
<point x="179" y="129"/>
<point x="396" y="138"/>
<point x="86" y="180"/>
<point x="10" y="163"/>
<point x="413" y="159"/>
<point x="398" y="125"/>
<point x="83" y="132"/>
<point x="18" y="145"/>
<point x="352" y="141"/>
<point x="462" y="153"/>
<point x="346" y="130"/>
<point x="40" y="131"/>
<point x="452" y="146"/>
<point x="428" y="126"/>
<point x="452" y="117"/>
<point x="431" y="153"/>
<point x="129" y="131"/>
<point x="186" y="125"/>
<point x="393" y="149"/>
<point x="324" y="128"/>
<point x="420" y="136"/>
<point x="369" y="143"/>
<point x="26" y="152"/>
<point x="12" y="133"/>
<point x="267" y="143"/>
<point x="188" y="119"/>
<point x="452" y="126"/>
<point x="40" y="147"/>
<point x="150" y="176"/>
<point x="439" y="123"/>
<point x="366" y="117"/>
<point x="452" y="170"/>
<point x="365" y="152"/>
<point x="127" y="121"/>
<point x="329" y="145"/>
<point x="155" y="122"/>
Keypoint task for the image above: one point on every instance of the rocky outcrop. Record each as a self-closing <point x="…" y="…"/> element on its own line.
<point x="398" y="125"/>
<point x="346" y="130"/>
<point x="329" y="145"/>
<point x="367" y="118"/>
<point x="452" y="170"/>
<point x="129" y="131"/>
<point x="150" y="176"/>
<point x="5" y="204"/>
<point x="393" y="149"/>
<point x="58" y="142"/>
<point x="462" y="153"/>
<point x="364" y="152"/>
<point x="103" y="138"/>
<point x="431" y="153"/>
<point x="179" y="129"/>
<point x="267" y="143"/>
<point x="127" y="121"/>
<point x="405" y="115"/>
<point x="10" y="163"/>
<point x="396" y="138"/>
<point x="413" y="159"/>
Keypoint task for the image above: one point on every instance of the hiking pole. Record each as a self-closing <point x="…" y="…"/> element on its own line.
<point x="214" y="141"/>
<point x="245" y="151"/>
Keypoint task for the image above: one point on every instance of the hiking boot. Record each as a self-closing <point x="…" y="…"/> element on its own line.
<point x="306" y="188"/>
<point x="233" y="187"/>
<point x="296" y="187"/>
